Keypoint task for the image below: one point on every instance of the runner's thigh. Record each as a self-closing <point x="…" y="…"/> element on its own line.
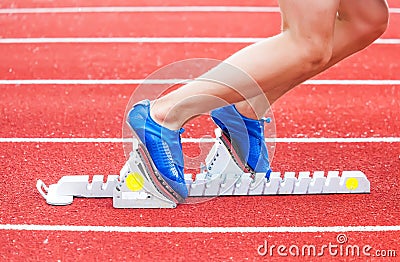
<point x="311" y="20"/>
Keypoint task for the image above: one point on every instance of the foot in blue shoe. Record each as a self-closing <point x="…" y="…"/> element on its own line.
<point x="246" y="136"/>
<point x="163" y="145"/>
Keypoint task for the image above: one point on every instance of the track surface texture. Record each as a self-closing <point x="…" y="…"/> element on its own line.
<point x="68" y="70"/>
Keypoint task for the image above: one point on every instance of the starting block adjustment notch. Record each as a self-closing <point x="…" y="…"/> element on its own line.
<point x="198" y="186"/>
<point x="258" y="184"/>
<point x="242" y="186"/>
<point x="302" y="183"/>
<point x="332" y="183"/>
<point x="317" y="183"/>
<point x="287" y="184"/>
<point x="272" y="185"/>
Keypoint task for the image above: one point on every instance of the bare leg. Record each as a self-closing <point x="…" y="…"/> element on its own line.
<point x="278" y="61"/>
<point x="358" y="24"/>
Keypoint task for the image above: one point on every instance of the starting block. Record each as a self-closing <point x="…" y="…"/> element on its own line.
<point x="219" y="176"/>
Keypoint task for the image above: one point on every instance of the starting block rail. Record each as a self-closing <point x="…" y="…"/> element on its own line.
<point x="220" y="176"/>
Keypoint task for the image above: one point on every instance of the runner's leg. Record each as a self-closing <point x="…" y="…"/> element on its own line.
<point x="305" y="46"/>
<point x="358" y="24"/>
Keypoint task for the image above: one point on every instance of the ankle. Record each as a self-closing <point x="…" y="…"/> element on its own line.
<point x="165" y="115"/>
<point x="247" y="111"/>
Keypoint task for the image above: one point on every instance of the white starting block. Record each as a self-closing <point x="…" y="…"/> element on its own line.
<point x="220" y="176"/>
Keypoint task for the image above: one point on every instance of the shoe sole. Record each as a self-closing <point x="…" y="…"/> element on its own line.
<point x="155" y="176"/>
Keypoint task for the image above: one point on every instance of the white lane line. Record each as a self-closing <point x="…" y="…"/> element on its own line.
<point x="121" y="229"/>
<point x="174" y="81"/>
<point x="142" y="9"/>
<point x="208" y="140"/>
<point x="146" y="9"/>
<point x="50" y="40"/>
<point x="337" y="140"/>
<point x="62" y="140"/>
<point x="90" y="81"/>
<point x="102" y="40"/>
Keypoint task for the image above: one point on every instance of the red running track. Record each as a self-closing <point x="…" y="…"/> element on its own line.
<point x="50" y="161"/>
<point x="97" y="111"/>
<point x="136" y="61"/>
<point x="152" y="25"/>
<point x="78" y="3"/>
<point x="156" y="24"/>
<point x="45" y="246"/>
<point x="33" y="3"/>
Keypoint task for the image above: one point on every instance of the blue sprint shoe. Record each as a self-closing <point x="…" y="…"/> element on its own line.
<point x="163" y="146"/>
<point x="246" y="137"/>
